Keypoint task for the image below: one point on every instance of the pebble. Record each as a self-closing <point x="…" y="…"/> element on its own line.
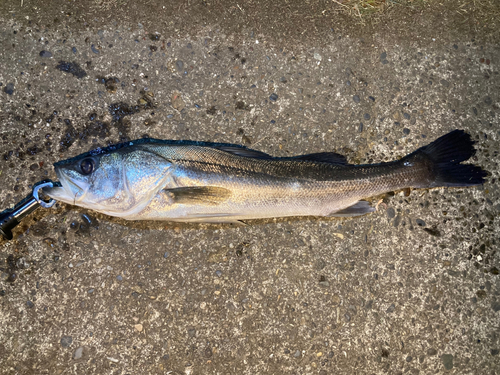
<point x="445" y="83"/>
<point x="371" y="98"/>
<point x="390" y="309"/>
<point x="165" y="255"/>
<point x="138" y="327"/>
<point x="367" y="116"/>
<point x="447" y="361"/>
<point x="273" y="97"/>
<point x="406" y="115"/>
<point x="494" y="351"/>
<point x="180" y="65"/>
<point x="324" y="283"/>
<point x="218" y="273"/>
<point x="119" y="278"/>
<point x="360" y="129"/>
<point x="348" y="83"/>
<point x="29" y="304"/>
<point x="94" y="49"/>
<point x="431" y="351"/>
<point x="66" y="341"/>
<point x="317" y="56"/>
<point x="391" y="213"/>
<point x="406" y="131"/>
<point x="78" y="353"/>
<point x="488" y="101"/>
<point x="45" y="54"/>
<point x="420" y="222"/>
<point x="74" y="50"/>
<point x="9" y="89"/>
<point x="356" y="98"/>
<point x="297" y="354"/>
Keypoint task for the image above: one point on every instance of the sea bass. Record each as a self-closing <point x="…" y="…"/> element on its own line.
<point x="188" y="181"/>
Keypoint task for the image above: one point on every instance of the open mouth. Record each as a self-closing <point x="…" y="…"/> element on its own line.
<point x="66" y="191"/>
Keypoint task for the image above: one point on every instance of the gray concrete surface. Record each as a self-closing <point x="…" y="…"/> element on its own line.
<point x="413" y="288"/>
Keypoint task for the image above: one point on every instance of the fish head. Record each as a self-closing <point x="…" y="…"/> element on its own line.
<point x="116" y="182"/>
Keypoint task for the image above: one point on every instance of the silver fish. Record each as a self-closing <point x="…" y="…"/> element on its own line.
<point x="189" y="181"/>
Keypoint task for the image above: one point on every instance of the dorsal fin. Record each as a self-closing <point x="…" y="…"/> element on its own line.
<point x="245" y="152"/>
<point x="324" y="157"/>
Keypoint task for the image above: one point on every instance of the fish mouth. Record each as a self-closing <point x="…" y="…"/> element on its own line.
<point x="66" y="191"/>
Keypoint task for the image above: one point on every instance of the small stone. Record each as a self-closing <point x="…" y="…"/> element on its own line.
<point x="494" y="351"/>
<point x="391" y="309"/>
<point x="9" y="89"/>
<point x="78" y="353"/>
<point x="371" y="98"/>
<point x="191" y="332"/>
<point x="119" y="278"/>
<point x="406" y="131"/>
<point x="66" y="341"/>
<point x="165" y="255"/>
<point x="180" y="65"/>
<point x="488" y="101"/>
<point x="383" y="55"/>
<point x="385" y="62"/>
<point x="74" y="50"/>
<point x="218" y="273"/>
<point x="406" y="115"/>
<point x="445" y="83"/>
<point x="317" y="56"/>
<point x="391" y="213"/>
<point x="324" y="283"/>
<point x="138" y="327"/>
<point x="367" y="116"/>
<point x="178" y="102"/>
<point x="447" y="361"/>
<point x="431" y="351"/>
<point x="297" y="354"/>
<point x="356" y="98"/>
<point x="208" y="352"/>
<point x="409" y="358"/>
<point x="29" y="304"/>
<point x="273" y="97"/>
<point x="348" y="83"/>
<point x="360" y="128"/>
<point x="455" y="46"/>
<point x="90" y="291"/>
<point x="495" y="306"/>
<point x="45" y="54"/>
<point x="420" y="222"/>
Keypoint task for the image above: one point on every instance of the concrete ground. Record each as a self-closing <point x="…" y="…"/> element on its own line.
<point x="413" y="288"/>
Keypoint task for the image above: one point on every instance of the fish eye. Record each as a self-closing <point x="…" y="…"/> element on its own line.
<point x="87" y="166"/>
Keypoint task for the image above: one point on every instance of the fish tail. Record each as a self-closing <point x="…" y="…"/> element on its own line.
<point x="445" y="155"/>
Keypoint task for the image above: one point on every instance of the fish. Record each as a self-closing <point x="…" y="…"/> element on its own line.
<point x="200" y="182"/>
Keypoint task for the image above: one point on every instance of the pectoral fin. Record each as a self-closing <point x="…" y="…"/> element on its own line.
<point x="208" y="195"/>
<point x="357" y="209"/>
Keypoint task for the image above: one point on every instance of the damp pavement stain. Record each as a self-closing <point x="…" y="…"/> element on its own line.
<point x="412" y="288"/>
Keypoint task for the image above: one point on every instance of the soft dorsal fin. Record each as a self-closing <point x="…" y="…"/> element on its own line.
<point x="324" y="157"/>
<point x="245" y="152"/>
<point x="209" y="195"/>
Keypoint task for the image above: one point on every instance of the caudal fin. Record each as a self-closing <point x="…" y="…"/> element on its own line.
<point x="446" y="153"/>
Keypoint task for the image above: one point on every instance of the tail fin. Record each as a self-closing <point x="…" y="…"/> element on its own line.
<point x="446" y="153"/>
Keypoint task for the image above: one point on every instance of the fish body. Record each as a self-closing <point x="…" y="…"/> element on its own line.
<point x="207" y="182"/>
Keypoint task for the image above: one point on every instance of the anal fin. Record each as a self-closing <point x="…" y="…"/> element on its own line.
<point x="357" y="209"/>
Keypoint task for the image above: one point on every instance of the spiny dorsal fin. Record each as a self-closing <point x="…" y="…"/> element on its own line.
<point x="210" y="195"/>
